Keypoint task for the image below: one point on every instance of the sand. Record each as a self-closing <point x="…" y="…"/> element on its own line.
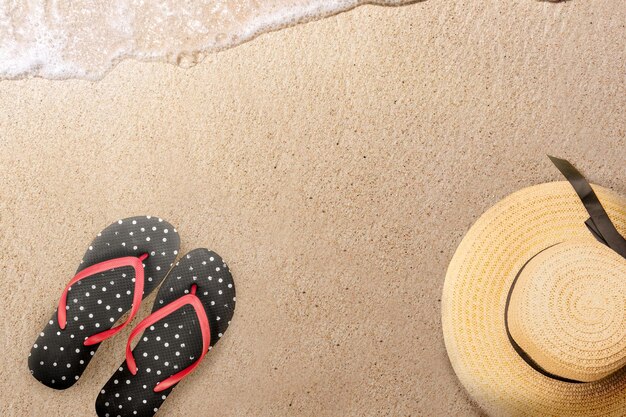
<point x="335" y="166"/>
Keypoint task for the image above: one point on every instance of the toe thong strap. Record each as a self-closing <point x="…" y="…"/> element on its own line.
<point x="136" y="263"/>
<point x="189" y="299"/>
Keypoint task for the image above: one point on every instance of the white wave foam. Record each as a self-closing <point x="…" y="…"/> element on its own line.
<point x="85" y="38"/>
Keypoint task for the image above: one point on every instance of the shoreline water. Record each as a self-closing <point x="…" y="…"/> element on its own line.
<point x="46" y="41"/>
<point x="336" y="166"/>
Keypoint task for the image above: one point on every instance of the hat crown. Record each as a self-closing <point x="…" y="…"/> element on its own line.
<point x="568" y="310"/>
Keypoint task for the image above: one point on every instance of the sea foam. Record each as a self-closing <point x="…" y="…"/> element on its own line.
<point x="85" y="38"/>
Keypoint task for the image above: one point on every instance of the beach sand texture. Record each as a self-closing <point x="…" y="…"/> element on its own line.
<point x="335" y="166"/>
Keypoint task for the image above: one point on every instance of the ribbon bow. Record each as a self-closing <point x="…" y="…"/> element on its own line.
<point x="598" y="222"/>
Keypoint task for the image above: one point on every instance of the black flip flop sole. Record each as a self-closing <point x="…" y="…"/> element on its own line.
<point x="174" y="342"/>
<point x="58" y="358"/>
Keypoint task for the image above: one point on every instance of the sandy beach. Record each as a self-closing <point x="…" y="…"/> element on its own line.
<point x="335" y="166"/>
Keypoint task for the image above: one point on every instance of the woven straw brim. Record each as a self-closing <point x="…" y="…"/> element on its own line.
<point x="567" y="310"/>
<point x="474" y="296"/>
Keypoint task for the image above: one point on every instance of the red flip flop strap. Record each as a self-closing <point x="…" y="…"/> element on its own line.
<point x="189" y="299"/>
<point x="136" y="263"/>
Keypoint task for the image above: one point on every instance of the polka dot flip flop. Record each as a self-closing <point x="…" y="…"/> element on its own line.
<point x="124" y="263"/>
<point x="191" y="312"/>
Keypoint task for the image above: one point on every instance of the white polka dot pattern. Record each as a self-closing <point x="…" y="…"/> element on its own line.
<point x="94" y="304"/>
<point x="173" y="343"/>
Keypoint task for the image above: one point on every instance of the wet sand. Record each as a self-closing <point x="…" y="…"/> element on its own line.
<point x="335" y="166"/>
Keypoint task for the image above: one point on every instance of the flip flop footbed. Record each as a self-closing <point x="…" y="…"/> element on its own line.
<point x="94" y="304"/>
<point x="174" y="342"/>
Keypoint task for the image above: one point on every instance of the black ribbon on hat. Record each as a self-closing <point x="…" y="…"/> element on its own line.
<point x="600" y="226"/>
<point x="599" y="222"/>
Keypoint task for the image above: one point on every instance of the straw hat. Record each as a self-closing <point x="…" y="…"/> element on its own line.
<point x="534" y="302"/>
